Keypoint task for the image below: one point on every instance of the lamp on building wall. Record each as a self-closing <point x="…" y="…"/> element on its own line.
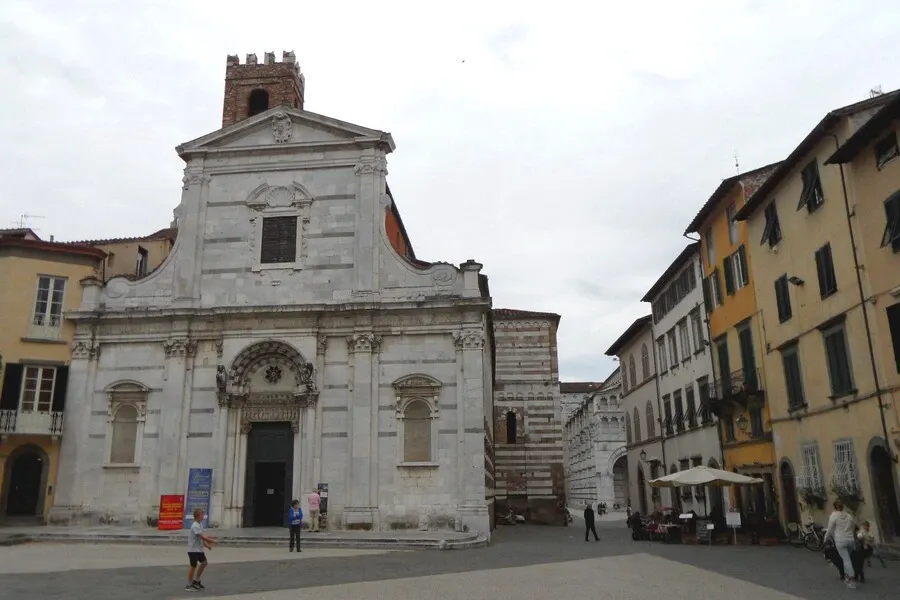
<point x="741" y="422"/>
<point x="643" y="456"/>
<point x="794" y="280"/>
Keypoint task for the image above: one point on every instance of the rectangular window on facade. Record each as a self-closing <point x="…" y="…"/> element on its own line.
<point x="710" y="247"/>
<point x="812" y="196"/>
<point x="143" y="262"/>
<point x="715" y="288"/>
<point x="846" y="473"/>
<point x="793" y="380"/>
<point x="772" y="231"/>
<point x="667" y="414"/>
<point x="661" y="354"/>
<point x="733" y="233"/>
<point x="37" y="389"/>
<point x="691" y="405"/>
<point x="679" y="410"/>
<point x="739" y="271"/>
<point x="810" y="471"/>
<point x="703" y="393"/>
<point x="697" y="327"/>
<point x="825" y="271"/>
<point x="685" y="340"/>
<point x="838" y="359"/>
<point x="891" y="236"/>
<point x="886" y="150"/>
<point x="756" y="422"/>
<point x="49" y="301"/>
<point x="673" y="349"/>
<point x="279" y="240"/>
<point x="893" y="315"/>
<point x="783" y="299"/>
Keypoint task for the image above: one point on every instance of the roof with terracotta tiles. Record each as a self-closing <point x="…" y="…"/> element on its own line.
<point x="689" y="251"/>
<point x="56" y="247"/>
<point x="169" y="233"/>
<point x="866" y="134"/>
<point x="751" y="181"/>
<point x="578" y="387"/>
<point x="812" y="138"/>
<point x="629" y="334"/>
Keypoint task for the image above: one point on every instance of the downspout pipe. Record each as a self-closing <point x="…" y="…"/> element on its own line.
<point x="862" y="300"/>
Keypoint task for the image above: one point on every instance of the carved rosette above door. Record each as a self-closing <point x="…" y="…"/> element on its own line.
<point x="269" y="381"/>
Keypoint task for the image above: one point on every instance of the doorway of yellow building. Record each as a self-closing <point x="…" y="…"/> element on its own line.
<point x="883" y="482"/>
<point x="24" y="482"/>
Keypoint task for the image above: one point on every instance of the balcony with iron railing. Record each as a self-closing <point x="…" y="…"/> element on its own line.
<point x="31" y="423"/>
<point x="739" y="387"/>
<point x="45" y="327"/>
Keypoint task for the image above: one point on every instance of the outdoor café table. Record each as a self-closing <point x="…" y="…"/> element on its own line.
<point x="672" y="533"/>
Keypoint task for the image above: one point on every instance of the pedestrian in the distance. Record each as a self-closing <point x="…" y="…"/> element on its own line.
<point x="295" y="519"/>
<point x="197" y="542"/>
<point x="315" y="501"/>
<point x="589" y="526"/>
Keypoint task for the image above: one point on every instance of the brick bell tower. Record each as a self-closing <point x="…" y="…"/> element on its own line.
<point x="252" y="88"/>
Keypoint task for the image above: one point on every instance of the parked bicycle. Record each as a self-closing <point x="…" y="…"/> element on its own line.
<point x="812" y="536"/>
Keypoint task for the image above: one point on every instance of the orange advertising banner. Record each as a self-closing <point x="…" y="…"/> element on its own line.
<point x="171" y="512"/>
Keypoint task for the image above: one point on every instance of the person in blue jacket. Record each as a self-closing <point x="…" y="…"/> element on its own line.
<point x="295" y="518"/>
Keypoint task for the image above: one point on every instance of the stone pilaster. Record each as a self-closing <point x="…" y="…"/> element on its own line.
<point x="472" y="513"/>
<point x="174" y="415"/>
<point x="370" y="171"/>
<point x="359" y="511"/>
<point x="191" y="216"/>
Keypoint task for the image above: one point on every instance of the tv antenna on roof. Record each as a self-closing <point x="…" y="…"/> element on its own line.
<point x="737" y="163"/>
<point x="875" y="91"/>
<point x="22" y="223"/>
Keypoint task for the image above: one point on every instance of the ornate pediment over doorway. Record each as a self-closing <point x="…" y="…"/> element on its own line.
<point x="268" y="381"/>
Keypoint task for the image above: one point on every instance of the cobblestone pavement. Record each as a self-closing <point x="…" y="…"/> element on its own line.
<point x="523" y="562"/>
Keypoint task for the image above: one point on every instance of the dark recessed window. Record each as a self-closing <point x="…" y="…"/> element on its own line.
<point x="893" y="315"/>
<point x="825" y="271"/>
<point x="783" y="299"/>
<point x="891" y="235"/>
<point x="839" y="371"/>
<point x="772" y="232"/>
<point x="756" y="422"/>
<point x="812" y="196"/>
<point x="279" y="240"/>
<point x="886" y="150"/>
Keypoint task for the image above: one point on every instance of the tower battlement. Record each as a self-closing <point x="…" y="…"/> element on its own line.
<point x="252" y="87"/>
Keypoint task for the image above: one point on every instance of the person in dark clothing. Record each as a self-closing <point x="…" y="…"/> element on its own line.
<point x="589" y="524"/>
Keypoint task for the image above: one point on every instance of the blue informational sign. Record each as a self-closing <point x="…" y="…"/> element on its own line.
<point x="198" y="493"/>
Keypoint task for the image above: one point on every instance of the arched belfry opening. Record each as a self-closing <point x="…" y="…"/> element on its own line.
<point x="258" y="102"/>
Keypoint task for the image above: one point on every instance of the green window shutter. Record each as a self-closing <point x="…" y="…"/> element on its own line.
<point x="707" y="297"/>
<point x="745" y="271"/>
<point x="729" y="276"/>
<point x="12" y="387"/>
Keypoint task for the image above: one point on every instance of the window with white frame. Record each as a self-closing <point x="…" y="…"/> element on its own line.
<point x="846" y="474"/>
<point x="673" y="349"/>
<point x="37" y="389"/>
<point x="685" y="340"/>
<point x="810" y="476"/>
<point x="48" y="302"/>
<point x="697" y="327"/>
<point x="417" y="419"/>
<point x="661" y="354"/>
<point x="125" y="420"/>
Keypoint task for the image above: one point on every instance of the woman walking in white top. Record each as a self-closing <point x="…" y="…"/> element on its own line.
<point x="842" y="531"/>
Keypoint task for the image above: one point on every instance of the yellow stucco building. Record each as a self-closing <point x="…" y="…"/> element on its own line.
<point x="40" y="281"/>
<point x="738" y="396"/>
<point x="134" y="257"/>
<point x="823" y="284"/>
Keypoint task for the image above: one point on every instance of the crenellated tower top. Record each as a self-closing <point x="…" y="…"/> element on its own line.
<point x="252" y="88"/>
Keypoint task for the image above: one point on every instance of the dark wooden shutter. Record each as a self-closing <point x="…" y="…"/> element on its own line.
<point x="12" y="387"/>
<point x="893" y="315"/>
<point x="729" y="276"/>
<point x="279" y="240"/>
<point x="745" y="270"/>
<point x="60" y="386"/>
<point x="820" y="271"/>
<point x="707" y="298"/>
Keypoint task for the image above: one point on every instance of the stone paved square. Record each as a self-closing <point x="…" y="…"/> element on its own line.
<point x="522" y="562"/>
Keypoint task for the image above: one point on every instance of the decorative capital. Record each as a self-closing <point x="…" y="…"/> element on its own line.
<point x="364" y="342"/>
<point x="371" y="166"/>
<point x="179" y="347"/>
<point x="193" y="178"/>
<point x="220" y="348"/>
<point x="469" y="339"/>
<point x="282" y="127"/>
<point x="321" y="344"/>
<point x="82" y="349"/>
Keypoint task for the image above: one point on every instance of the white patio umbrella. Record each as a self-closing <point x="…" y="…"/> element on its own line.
<point x="704" y="476"/>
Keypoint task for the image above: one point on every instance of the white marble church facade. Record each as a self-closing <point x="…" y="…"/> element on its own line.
<point x="291" y="338"/>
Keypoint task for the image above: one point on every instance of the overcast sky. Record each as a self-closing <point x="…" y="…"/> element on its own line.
<point x="565" y="145"/>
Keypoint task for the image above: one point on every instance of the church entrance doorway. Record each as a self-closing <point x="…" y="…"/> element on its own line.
<point x="26" y="473"/>
<point x="270" y="465"/>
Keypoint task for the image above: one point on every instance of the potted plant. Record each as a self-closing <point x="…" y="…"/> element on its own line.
<point x="814" y="496"/>
<point x="848" y="493"/>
